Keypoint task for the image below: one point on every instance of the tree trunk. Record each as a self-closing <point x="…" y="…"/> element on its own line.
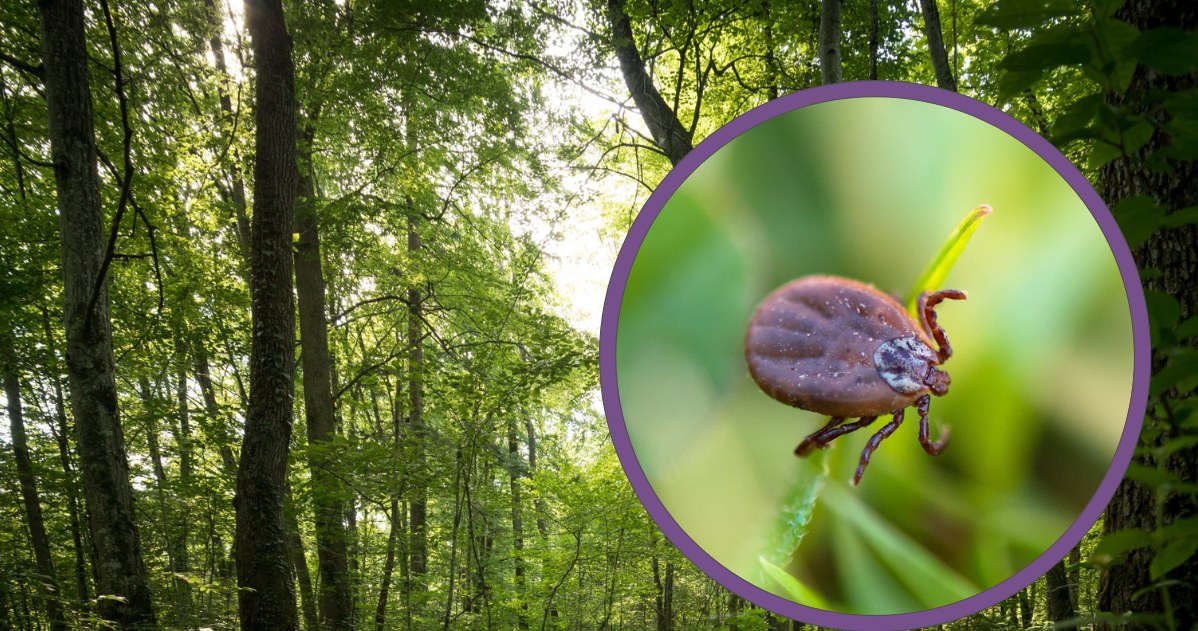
<point x="33" y="506"/>
<point x="236" y="189"/>
<point x="515" y="472"/>
<point x="873" y="40"/>
<point x="396" y="523"/>
<point x="418" y="548"/>
<point x="1056" y="587"/>
<point x="1075" y="577"/>
<point x="931" y="28"/>
<point x="829" y="42"/>
<point x="772" y="74"/>
<point x="336" y="599"/>
<point x="266" y="598"/>
<point x="295" y="548"/>
<point x="1172" y="253"/>
<point x="64" y="456"/>
<point x="219" y="430"/>
<point x="674" y="140"/>
<point x="109" y="495"/>
<point x="1025" y="608"/>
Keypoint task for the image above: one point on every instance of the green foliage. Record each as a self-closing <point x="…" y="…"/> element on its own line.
<point x="932" y="278"/>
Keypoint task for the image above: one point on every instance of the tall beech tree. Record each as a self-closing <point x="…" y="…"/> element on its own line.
<point x="336" y="601"/>
<point x="120" y="571"/>
<point x="1166" y="173"/>
<point x="936" y="48"/>
<point x="829" y="42"/>
<point x="264" y="572"/>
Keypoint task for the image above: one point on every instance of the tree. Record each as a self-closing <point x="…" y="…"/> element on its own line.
<point x="120" y="571"/>
<point x="264" y="574"/>
<point x="931" y="26"/>
<point x="33" y="505"/>
<point x="829" y="41"/>
<point x="1166" y="174"/>
<point x="336" y="601"/>
<point x="674" y="140"/>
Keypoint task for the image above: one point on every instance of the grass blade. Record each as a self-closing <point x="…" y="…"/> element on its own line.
<point x="938" y="269"/>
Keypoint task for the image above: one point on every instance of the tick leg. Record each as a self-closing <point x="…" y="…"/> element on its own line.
<point x="873" y="443"/>
<point x="927" y="306"/>
<point x="824" y="435"/>
<point x="925" y="438"/>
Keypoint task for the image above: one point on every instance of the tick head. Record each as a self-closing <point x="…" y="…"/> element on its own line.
<point x="937" y="381"/>
<point x="906" y="364"/>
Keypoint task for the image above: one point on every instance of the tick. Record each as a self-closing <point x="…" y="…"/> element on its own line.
<point x="842" y="348"/>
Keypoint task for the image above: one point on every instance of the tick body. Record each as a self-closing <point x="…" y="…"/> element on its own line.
<point x="842" y="348"/>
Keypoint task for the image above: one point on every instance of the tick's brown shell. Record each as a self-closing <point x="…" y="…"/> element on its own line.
<point x="811" y="345"/>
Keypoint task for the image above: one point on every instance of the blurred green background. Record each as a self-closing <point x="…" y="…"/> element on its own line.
<point x="1041" y="376"/>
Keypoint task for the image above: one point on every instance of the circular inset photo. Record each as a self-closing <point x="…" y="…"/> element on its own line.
<point x="875" y="350"/>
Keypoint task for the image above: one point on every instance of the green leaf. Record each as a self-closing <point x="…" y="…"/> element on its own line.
<point x="1148" y="476"/>
<point x="1074" y="122"/>
<point x="1171" y="556"/>
<point x="935" y="273"/>
<point x="928" y="578"/>
<point x="1137" y="134"/>
<point x="797" y="510"/>
<point x="1014" y="14"/>
<point x="1181" y="217"/>
<point x="1138" y="216"/>
<point x="1164" y="311"/>
<point x="1116" y="544"/>
<point x="1048" y="55"/>
<point x="1168" y="50"/>
<point x="1106" y="8"/>
<point x="1187" y="329"/>
<point x="1101" y="153"/>
<point x="794" y="588"/>
<point x="1012" y="83"/>
<point x="1117" y="65"/>
<point x="1182" y="369"/>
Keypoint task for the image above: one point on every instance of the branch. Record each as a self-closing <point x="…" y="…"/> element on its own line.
<point x="26" y="157"/>
<point x="24" y="66"/>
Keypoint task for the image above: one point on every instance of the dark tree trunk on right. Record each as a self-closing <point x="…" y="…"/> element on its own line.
<point x="1174" y="255"/>
<point x="266" y="598"/>
<point x="120" y="570"/>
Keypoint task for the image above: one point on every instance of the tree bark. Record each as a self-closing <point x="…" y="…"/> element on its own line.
<point x="515" y="473"/>
<point x="670" y="136"/>
<point x="266" y="598"/>
<point x="295" y="547"/>
<point x="216" y="421"/>
<point x="1172" y="253"/>
<point x="1025" y="608"/>
<point x="772" y="74"/>
<point x="1056" y="587"/>
<point x="396" y="523"/>
<point x="109" y="495"/>
<point x="873" y="40"/>
<point x="33" y="505"/>
<point x="829" y="42"/>
<point x="418" y="547"/>
<point x="336" y="599"/>
<point x="931" y="28"/>
<point x="236" y="189"/>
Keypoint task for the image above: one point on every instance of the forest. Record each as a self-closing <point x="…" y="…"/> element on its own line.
<point x="300" y="300"/>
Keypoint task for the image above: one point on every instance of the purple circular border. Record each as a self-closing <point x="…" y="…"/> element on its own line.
<point x="913" y="92"/>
